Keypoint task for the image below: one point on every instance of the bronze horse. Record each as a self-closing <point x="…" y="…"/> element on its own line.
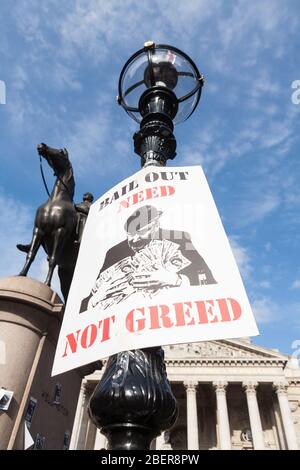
<point x="55" y="222"/>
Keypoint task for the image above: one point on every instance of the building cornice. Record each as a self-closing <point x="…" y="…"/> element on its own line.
<point x="224" y="362"/>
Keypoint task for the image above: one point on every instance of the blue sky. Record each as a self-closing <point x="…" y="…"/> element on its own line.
<point x="60" y="62"/>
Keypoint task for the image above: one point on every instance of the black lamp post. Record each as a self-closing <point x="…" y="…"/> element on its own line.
<point x="133" y="403"/>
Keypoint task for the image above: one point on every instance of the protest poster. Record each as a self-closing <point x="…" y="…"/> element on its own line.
<point x="155" y="267"/>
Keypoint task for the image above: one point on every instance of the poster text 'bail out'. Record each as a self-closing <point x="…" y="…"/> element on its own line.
<point x="150" y="177"/>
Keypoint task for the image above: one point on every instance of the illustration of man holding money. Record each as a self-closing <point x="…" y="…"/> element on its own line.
<point x="149" y="260"/>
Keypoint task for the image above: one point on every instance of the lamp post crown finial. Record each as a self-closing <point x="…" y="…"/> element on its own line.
<point x="149" y="44"/>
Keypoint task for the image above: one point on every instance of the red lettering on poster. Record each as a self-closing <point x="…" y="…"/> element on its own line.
<point x="146" y="194"/>
<point x="183" y="310"/>
<point x="134" y="324"/>
<point x="159" y="317"/>
<point x="87" y="337"/>
<point x="72" y="342"/>
<point x="154" y="317"/>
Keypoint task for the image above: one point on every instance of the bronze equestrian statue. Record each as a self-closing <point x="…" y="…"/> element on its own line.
<point x="58" y="223"/>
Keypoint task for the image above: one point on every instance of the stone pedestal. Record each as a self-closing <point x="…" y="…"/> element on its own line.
<point x="30" y="320"/>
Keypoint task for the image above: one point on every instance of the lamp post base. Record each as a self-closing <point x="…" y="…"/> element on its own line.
<point x="127" y="436"/>
<point x="133" y="402"/>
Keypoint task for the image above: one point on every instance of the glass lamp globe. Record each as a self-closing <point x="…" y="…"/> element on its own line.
<point x="160" y="67"/>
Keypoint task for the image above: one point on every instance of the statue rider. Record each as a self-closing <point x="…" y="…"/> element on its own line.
<point x="82" y="209"/>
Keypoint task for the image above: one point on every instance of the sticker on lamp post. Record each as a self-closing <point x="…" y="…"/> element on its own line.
<point x="31" y="407"/>
<point x="39" y="443"/>
<point x="57" y="394"/>
<point x="66" y="441"/>
<point x="5" y="398"/>
<point x="155" y="267"/>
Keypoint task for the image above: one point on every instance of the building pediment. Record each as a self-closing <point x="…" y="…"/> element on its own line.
<point x="226" y="350"/>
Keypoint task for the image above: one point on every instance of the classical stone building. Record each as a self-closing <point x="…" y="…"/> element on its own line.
<point x="232" y="395"/>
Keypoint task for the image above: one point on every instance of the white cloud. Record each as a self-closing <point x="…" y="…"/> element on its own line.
<point x="242" y="257"/>
<point x="286" y="315"/>
<point x="262" y="24"/>
<point x="61" y="39"/>
<point x="19" y="78"/>
<point x="296" y="284"/>
<point x="276" y="133"/>
<point x="265" y="310"/>
<point x="87" y="141"/>
<point x="265" y="284"/>
<point x="295" y="310"/>
<point x="268" y="247"/>
<point x="264" y="84"/>
<point x="204" y="149"/>
<point x="191" y="156"/>
<point x="259" y="207"/>
<point x="98" y="27"/>
<point x="187" y="17"/>
<point x="29" y="15"/>
<point x="64" y="77"/>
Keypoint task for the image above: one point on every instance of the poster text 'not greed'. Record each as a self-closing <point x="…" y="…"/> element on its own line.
<point x="179" y="314"/>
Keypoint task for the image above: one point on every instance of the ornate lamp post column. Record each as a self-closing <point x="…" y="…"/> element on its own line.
<point x="133" y="403"/>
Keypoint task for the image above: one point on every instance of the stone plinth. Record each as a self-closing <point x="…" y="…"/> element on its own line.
<point x="30" y="320"/>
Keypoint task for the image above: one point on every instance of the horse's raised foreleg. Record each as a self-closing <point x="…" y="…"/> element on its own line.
<point x="58" y="245"/>
<point x="34" y="246"/>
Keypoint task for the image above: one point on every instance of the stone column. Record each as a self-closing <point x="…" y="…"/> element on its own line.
<point x="192" y="416"/>
<point x="162" y="442"/>
<point x="100" y="441"/>
<point x="288" y="425"/>
<point x="279" y="425"/>
<point x="81" y="420"/>
<point x="90" y="437"/>
<point x="159" y="442"/>
<point x="78" y="416"/>
<point x="254" y="416"/>
<point x="222" y="415"/>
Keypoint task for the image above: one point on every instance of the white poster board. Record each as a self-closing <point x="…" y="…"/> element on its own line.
<point x="155" y="267"/>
